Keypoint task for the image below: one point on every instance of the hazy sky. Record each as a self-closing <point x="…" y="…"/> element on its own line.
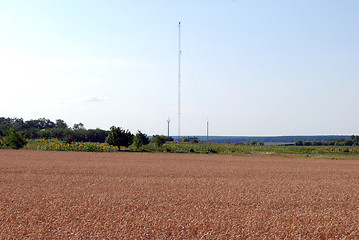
<point x="252" y="67"/>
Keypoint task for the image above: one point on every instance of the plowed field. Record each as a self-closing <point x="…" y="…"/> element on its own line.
<point x="52" y="195"/>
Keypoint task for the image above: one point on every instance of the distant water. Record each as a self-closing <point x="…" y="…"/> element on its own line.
<point x="267" y="139"/>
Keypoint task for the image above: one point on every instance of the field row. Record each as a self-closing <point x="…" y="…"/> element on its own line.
<point x="234" y="148"/>
<point x="174" y="147"/>
<point x="57" y="145"/>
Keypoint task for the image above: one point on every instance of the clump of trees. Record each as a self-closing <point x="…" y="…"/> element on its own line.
<point x="352" y="141"/>
<point x="12" y="140"/>
<point x="251" y="143"/>
<point x="119" y="137"/>
<point x="190" y="140"/>
<point x="15" y="131"/>
<point x="124" y="138"/>
<point x="45" y="128"/>
<point x="158" y="140"/>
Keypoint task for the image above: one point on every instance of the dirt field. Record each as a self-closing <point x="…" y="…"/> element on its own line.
<point x="47" y="195"/>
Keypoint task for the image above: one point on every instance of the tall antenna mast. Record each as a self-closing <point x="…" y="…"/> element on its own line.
<point x="179" y="81"/>
<point x="207" y="129"/>
<point x="168" y="127"/>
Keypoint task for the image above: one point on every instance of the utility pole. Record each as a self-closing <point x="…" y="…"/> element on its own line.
<point x="168" y="127"/>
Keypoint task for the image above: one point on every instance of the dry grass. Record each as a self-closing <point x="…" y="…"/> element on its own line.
<point x="47" y="195"/>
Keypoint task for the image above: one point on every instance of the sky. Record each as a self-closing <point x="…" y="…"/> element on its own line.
<point x="248" y="67"/>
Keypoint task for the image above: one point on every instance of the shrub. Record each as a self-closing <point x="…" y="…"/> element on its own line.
<point x="169" y="139"/>
<point x="348" y="142"/>
<point x="317" y="143"/>
<point x="140" y="139"/>
<point x="13" y="140"/>
<point x="68" y="139"/>
<point x="211" y="151"/>
<point x="158" y="140"/>
<point x="46" y="134"/>
<point x="119" y="137"/>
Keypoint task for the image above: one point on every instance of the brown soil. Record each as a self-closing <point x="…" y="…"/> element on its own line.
<point x="47" y="195"/>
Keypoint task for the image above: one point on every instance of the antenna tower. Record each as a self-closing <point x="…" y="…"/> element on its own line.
<point x="168" y="127"/>
<point x="207" y="130"/>
<point x="179" y="81"/>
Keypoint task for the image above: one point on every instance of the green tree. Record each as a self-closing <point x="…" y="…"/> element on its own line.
<point x="158" y="140"/>
<point x="96" y="135"/>
<point x="298" y="143"/>
<point x="13" y="140"/>
<point x="119" y="137"/>
<point x="61" y="124"/>
<point x="317" y="143"/>
<point x="140" y="139"/>
<point x="46" y="134"/>
<point x="348" y="142"/>
<point x="39" y="124"/>
<point x="45" y="123"/>
<point x="79" y="126"/>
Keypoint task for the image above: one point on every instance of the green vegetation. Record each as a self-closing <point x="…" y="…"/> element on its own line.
<point x="57" y="136"/>
<point x="190" y="139"/>
<point x="140" y="140"/>
<point x="12" y="140"/>
<point x="158" y="140"/>
<point x="227" y="148"/>
<point x="45" y="128"/>
<point x="270" y="139"/>
<point x="119" y="137"/>
<point x="58" y="145"/>
<point x="352" y="141"/>
<point x="201" y="148"/>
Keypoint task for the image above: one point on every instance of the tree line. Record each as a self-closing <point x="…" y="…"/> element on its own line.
<point x="352" y="141"/>
<point x="15" y="131"/>
<point x="45" y="128"/>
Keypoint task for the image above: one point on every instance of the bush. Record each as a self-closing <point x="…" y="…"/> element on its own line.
<point x="298" y="143"/>
<point x="119" y="137"/>
<point x="348" y="142"/>
<point x="68" y="139"/>
<point x="211" y="151"/>
<point x="169" y="139"/>
<point x="158" y="140"/>
<point x="317" y="143"/>
<point x="13" y="140"/>
<point x="46" y="134"/>
<point x="140" y="139"/>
